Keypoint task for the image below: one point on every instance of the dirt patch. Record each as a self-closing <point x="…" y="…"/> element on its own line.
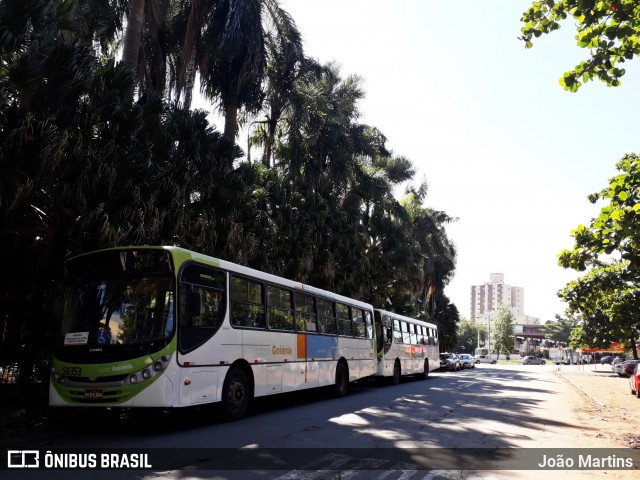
<point x="605" y="405"/>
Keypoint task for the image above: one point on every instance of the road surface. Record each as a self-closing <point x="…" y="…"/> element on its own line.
<point x="419" y="429"/>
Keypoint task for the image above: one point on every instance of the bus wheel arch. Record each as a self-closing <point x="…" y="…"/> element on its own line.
<point x="397" y="372"/>
<point x="341" y="384"/>
<point x="237" y="390"/>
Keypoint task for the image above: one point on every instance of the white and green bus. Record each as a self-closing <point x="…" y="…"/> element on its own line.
<point x="405" y="346"/>
<point x="167" y="327"/>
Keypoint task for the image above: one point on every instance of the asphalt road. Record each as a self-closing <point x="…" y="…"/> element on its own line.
<point x="419" y="429"/>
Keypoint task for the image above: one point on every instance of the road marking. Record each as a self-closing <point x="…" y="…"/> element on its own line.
<point x="366" y="468"/>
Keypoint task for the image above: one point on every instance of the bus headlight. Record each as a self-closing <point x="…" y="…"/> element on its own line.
<point x="146" y="374"/>
<point x="133" y="379"/>
<point x="158" y="366"/>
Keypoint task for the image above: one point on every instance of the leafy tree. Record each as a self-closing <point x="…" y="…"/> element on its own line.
<point x="286" y="66"/>
<point x="608" y="28"/>
<point x="560" y="329"/>
<point x="87" y="162"/>
<point x="502" y="330"/>
<point x="607" y="295"/>
<point x="468" y="333"/>
<point x="446" y="316"/>
<point x="94" y="168"/>
<point x="233" y="71"/>
<point x="609" y="303"/>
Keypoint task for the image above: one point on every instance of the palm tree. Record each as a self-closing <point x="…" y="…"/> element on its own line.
<point x="286" y="65"/>
<point x="436" y="251"/>
<point x="186" y="26"/>
<point x="234" y="54"/>
<point x="144" y="45"/>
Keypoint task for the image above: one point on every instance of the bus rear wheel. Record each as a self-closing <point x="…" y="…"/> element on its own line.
<point x="397" y="373"/>
<point x="342" y="380"/>
<point x="235" y="394"/>
<point x="425" y="374"/>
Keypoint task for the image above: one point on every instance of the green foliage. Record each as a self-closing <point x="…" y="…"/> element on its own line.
<point x="608" y="297"/>
<point x="560" y="329"/>
<point x="502" y="332"/>
<point x="609" y="29"/>
<point x="467" y="335"/>
<point x="92" y="156"/>
<point x="446" y="316"/>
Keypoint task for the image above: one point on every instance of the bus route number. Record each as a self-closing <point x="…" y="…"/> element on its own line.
<point x="72" y="371"/>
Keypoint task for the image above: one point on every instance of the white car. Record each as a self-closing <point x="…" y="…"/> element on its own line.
<point x="483" y="359"/>
<point x="616" y="365"/>
<point x="467" y="360"/>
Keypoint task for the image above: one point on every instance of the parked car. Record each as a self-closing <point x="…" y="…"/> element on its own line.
<point x="606" y="360"/>
<point x="627" y="367"/>
<point x="450" y="361"/>
<point x="634" y="380"/>
<point x="531" y="360"/>
<point x="467" y="360"/>
<point x="483" y="359"/>
<point x="617" y="361"/>
<point x="616" y="365"/>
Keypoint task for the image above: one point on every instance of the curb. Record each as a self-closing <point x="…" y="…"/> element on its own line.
<point x="579" y="388"/>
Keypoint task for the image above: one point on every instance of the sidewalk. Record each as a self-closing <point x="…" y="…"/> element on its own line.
<point x="601" y="385"/>
<point x="609" y="393"/>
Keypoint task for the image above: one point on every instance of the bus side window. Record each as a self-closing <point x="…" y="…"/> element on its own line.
<point x="202" y="305"/>
<point x="397" y="334"/>
<point x="327" y="317"/>
<point x="306" y="316"/>
<point x="412" y="331"/>
<point x="432" y="341"/>
<point x="406" y="337"/>
<point x="247" y="303"/>
<point x="368" y="321"/>
<point x="388" y="329"/>
<point x="359" y="327"/>
<point x="279" y="309"/>
<point x="344" y="321"/>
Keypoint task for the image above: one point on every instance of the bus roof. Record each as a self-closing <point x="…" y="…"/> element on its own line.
<point x="408" y="319"/>
<point x="234" y="267"/>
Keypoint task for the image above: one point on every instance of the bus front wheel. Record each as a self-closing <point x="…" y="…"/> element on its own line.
<point x="342" y="380"/>
<point x="235" y="394"/>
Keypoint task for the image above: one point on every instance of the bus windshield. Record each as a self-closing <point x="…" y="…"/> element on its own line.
<point x="118" y="311"/>
<point x="118" y="297"/>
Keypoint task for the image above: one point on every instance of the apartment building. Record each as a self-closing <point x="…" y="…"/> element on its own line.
<point x="485" y="300"/>
<point x="488" y="296"/>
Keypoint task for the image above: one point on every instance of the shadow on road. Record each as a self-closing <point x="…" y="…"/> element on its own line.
<point x="443" y="410"/>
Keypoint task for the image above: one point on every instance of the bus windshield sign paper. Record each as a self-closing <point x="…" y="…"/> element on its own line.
<point x="76" y="338"/>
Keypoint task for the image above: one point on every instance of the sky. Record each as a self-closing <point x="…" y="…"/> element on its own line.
<point x="502" y="146"/>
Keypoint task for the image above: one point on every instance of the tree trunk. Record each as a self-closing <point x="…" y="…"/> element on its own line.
<point x="231" y="119"/>
<point x="133" y="34"/>
<point x="269" y="141"/>
<point x="634" y="348"/>
<point x="190" y="79"/>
